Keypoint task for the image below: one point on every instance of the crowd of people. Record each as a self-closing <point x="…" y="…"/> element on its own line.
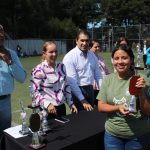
<point x="84" y="82"/>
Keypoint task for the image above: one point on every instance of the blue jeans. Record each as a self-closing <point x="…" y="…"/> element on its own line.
<point x="5" y="113"/>
<point x="116" y="143"/>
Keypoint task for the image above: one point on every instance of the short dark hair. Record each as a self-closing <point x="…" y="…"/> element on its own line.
<point x="84" y="32"/>
<point x="92" y="42"/>
<point x="120" y="39"/>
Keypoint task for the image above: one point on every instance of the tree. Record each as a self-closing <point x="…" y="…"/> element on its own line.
<point x="125" y="12"/>
<point x="46" y="18"/>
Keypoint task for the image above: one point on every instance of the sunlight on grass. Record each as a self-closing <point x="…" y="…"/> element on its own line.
<point x="21" y="91"/>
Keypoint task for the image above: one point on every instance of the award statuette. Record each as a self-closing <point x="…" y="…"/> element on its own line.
<point x="25" y="129"/>
<point x="35" y="126"/>
<point x="139" y="56"/>
<point x="35" y="122"/>
<point x="44" y="123"/>
<point x="132" y="104"/>
<point x="133" y="90"/>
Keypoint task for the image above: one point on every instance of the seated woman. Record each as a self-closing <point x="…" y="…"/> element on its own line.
<point x="49" y="84"/>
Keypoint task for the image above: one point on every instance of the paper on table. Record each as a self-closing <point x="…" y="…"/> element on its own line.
<point x="14" y="131"/>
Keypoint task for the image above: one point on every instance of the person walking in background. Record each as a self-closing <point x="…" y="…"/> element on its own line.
<point x="95" y="48"/>
<point x="10" y="69"/>
<point x="124" y="130"/>
<point x="49" y="84"/>
<point x="122" y="41"/>
<point x="148" y="61"/>
<point x="82" y="69"/>
<point x="144" y="53"/>
<point x="19" y="51"/>
<point x="139" y="55"/>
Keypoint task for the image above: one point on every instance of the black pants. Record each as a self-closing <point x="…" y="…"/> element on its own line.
<point x="144" y="60"/>
<point x="95" y="95"/>
<point x="88" y="93"/>
<point x="61" y="111"/>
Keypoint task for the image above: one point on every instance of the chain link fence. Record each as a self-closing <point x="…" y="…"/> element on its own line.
<point x="108" y="35"/>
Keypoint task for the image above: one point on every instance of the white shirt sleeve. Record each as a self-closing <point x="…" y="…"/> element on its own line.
<point x="72" y="78"/>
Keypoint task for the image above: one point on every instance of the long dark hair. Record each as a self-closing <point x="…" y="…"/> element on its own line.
<point x="128" y="50"/>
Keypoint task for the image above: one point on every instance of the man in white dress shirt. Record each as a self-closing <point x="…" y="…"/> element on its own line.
<point x="82" y="68"/>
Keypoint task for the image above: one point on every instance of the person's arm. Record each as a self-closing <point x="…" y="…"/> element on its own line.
<point x="37" y="76"/>
<point x="106" y="70"/>
<point x="67" y="90"/>
<point x="104" y="105"/>
<point x="108" y="108"/>
<point x="72" y="79"/>
<point x="97" y="74"/>
<point x="144" y="98"/>
<point x="17" y="69"/>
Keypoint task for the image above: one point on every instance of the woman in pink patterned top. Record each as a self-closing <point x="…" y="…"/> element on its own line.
<point x="95" y="48"/>
<point x="49" y="83"/>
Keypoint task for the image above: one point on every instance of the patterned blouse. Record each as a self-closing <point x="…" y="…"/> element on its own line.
<point x="49" y="85"/>
<point x="102" y="66"/>
<point x="103" y="69"/>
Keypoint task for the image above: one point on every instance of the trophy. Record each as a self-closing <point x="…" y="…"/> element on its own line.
<point x="134" y="91"/>
<point x="35" y="126"/>
<point x="139" y="56"/>
<point x="44" y="123"/>
<point x="35" y="123"/>
<point x="32" y="96"/>
<point x="25" y="129"/>
<point x="132" y="104"/>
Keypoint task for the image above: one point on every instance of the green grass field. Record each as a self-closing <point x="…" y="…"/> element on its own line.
<point x="21" y="91"/>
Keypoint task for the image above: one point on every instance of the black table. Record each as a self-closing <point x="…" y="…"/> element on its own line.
<point x="85" y="130"/>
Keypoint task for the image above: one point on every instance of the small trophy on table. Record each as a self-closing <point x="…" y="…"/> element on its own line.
<point x="25" y="129"/>
<point x="44" y="123"/>
<point x="35" y="126"/>
<point x="35" y="123"/>
<point x="134" y="91"/>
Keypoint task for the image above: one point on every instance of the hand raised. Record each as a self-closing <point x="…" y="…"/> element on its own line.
<point x="5" y="55"/>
